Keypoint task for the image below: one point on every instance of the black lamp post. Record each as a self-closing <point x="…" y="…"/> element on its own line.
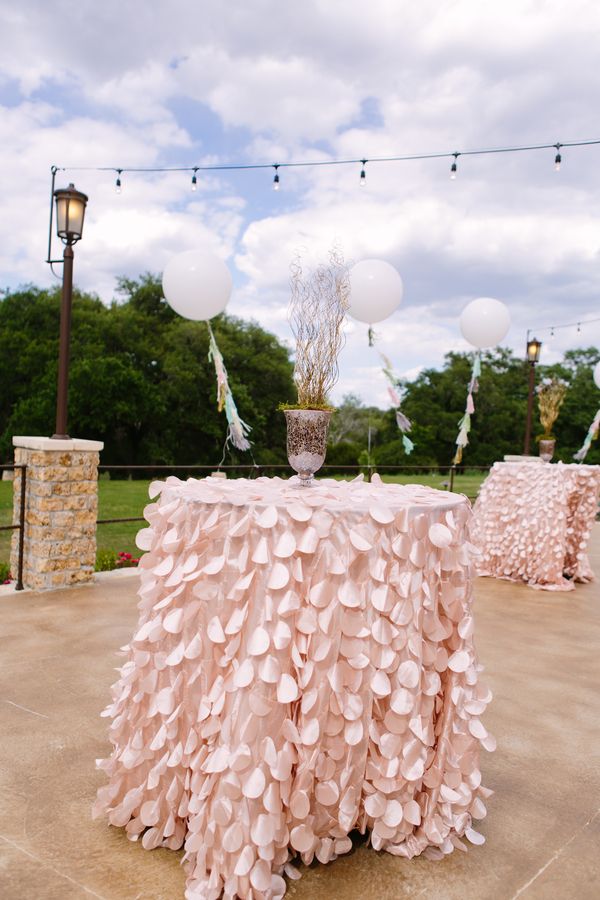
<point x="70" y="212"/>
<point x="534" y="348"/>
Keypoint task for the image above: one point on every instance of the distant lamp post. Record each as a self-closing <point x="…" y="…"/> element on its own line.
<point x="70" y="212"/>
<point x="534" y="348"/>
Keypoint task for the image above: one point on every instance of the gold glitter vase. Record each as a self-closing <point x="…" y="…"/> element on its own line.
<point x="547" y="449"/>
<point x="307" y="431"/>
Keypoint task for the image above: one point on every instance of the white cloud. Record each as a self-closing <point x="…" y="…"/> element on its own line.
<point x="282" y="96"/>
<point x="155" y="216"/>
<point x="153" y="84"/>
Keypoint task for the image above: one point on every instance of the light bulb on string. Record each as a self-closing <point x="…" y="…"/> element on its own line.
<point x="579" y="328"/>
<point x="276" y="178"/>
<point x="453" y="167"/>
<point x="118" y="182"/>
<point x="557" y="158"/>
<point x="194" y="181"/>
<point x="363" y="174"/>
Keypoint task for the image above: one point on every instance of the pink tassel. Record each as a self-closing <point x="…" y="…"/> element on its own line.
<point x="394" y="396"/>
<point x="470" y="404"/>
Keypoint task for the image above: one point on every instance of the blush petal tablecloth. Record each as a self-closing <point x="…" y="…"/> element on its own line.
<point x="532" y="523"/>
<point x="303" y="666"/>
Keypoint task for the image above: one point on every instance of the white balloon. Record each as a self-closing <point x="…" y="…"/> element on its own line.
<point x="375" y="290"/>
<point x="484" y="322"/>
<point x="197" y="284"/>
<point x="597" y="374"/>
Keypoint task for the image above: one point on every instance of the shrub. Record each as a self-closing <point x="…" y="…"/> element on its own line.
<point x="345" y="453"/>
<point x="105" y="560"/>
<point x="5" y="576"/>
<point x="392" y="454"/>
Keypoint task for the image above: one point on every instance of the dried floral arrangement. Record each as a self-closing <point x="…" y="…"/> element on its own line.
<point x="317" y="308"/>
<point x="551" y="393"/>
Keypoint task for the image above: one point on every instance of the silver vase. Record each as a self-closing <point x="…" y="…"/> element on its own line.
<point x="307" y="441"/>
<point x="547" y="450"/>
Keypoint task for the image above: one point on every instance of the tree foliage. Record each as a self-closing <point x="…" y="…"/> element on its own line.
<point x="354" y="427"/>
<point x="435" y="401"/>
<point x="140" y="378"/>
<point x="141" y="381"/>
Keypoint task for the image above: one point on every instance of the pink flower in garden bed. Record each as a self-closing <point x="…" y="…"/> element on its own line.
<point x="126" y="560"/>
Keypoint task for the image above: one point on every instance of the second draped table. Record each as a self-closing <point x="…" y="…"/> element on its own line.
<point x="532" y="523"/>
<point x="303" y="666"/>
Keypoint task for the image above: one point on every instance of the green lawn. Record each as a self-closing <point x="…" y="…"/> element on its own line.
<point x="463" y="484"/>
<point x="118" y="499"/>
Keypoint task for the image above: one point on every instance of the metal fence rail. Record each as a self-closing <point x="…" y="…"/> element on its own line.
<point x="21" y="526"/>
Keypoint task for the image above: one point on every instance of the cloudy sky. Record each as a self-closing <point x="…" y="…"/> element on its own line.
<point x="86" y="84"/>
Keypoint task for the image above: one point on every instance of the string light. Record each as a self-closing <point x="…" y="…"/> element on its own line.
<point x="557" y="158"/>
<point x="118" y="182"/>
<point x="336" y="162"/>
<point x="553" y="328"/>
<point x="363" y="174"/>
<point x="194" y="180"/>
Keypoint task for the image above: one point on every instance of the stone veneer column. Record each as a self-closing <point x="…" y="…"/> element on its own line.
<point x="61" y="508"/>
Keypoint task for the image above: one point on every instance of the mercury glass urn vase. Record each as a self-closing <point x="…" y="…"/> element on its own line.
<point x="307" y="441"/>
<point x="547" y="449"/>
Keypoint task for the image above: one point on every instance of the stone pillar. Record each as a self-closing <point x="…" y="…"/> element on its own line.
<point x="61" y="508"/>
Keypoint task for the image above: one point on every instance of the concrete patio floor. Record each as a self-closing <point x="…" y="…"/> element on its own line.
<point x="542" y="660"/>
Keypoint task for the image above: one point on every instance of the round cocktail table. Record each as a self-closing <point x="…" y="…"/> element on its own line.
<point x="303" y="666"/>
<point x="532" y="523"/>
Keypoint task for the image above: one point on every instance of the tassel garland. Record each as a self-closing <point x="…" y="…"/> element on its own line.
<point x="237" y="429"/>
<point x="464" y="426"/>
<point x="404" y="423"/>
<point x="592" y="435"/>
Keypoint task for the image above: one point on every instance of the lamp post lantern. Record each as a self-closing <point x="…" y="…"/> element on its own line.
<point x="534" y="348"/>
<point x="70" y="212"/>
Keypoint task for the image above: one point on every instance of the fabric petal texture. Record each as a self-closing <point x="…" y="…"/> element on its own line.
<point x="532" y="522"/>
<point x="303" y="665"/>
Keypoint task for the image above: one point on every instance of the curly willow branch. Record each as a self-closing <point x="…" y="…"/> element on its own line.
<point x="317" y="308"/>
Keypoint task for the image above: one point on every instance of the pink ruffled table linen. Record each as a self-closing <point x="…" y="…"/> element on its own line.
<point x="303" y="666"/>
<point x="532" y="523"/>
